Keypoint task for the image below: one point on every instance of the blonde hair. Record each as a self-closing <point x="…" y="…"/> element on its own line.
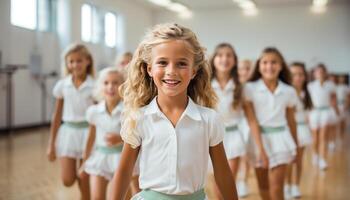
<point x="246" y="63"/>
<point x="97" y="93"/>
<point x="120" y="58"/>
<point x="139" y="89"/>
<point x="75" y="48"/>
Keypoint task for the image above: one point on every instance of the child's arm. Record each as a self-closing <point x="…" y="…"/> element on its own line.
<point x="292" y="123"/>
<point x="90" y="142"/>
<point x="293" y="127"/>
<point x="55" y="124"/>
<point x="255" y="130"/>
<point x="122" y="177"/>
<point x="222" y="172"/>
<point x="334" y="102"/>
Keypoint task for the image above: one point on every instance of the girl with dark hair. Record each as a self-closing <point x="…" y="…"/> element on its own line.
<point x="227" y="87"/>
<point x="272" y="122"/>
<point x="304" y="104"/>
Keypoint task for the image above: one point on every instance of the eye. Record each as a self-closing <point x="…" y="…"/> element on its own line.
<point x="162" y="63"/>
<point x="182" y="64"/>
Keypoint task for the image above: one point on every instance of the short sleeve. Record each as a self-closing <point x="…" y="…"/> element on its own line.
<point x="216" y="130"/>
<point x="292" y="98"/>
<point x="58" y="90"/>
<point x="90" y="115"/>
<point x="247" y="92"/>
<point x="131" y="132"/>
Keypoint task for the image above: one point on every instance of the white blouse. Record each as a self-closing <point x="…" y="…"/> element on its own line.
<point x="231" y="116"/>
<point x="104" y="122"/>
<point x="270" y="108"/>
<point x="174" y="160"/>
<point x="76" y="100"/>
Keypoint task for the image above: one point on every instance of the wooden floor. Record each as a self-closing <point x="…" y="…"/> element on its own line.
<point x="25" y="172"/>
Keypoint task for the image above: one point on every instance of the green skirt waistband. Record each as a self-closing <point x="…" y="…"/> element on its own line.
<point x="152" y="195"/>
<point x="322" y="108"/>
<point x="231" y="128"/>
<point x="83" y="124"/>
<point x="301" y="123"/>
<point x="270" y="129"/>
<point x="110" y="150"/>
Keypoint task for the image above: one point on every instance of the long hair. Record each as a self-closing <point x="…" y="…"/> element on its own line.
<point x="77" y="48"/>
<point x="138" y="90"/>
<point x="284" y="74"/>
<point x="237" y="92"/>
<point x="307" y="102"/>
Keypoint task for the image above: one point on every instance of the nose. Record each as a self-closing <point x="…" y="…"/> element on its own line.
<point x="171" y="69"/>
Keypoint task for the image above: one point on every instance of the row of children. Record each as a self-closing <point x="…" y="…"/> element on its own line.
<point x="157" y="130"/>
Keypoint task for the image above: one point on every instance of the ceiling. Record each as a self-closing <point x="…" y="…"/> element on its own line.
<point x="210" y="4"/>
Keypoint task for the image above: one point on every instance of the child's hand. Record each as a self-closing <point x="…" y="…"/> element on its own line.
<point x="51" y="153"/>
<point x="112" y="139"/>
<point x="81" y="172"/>
<point x="263" y="159"/>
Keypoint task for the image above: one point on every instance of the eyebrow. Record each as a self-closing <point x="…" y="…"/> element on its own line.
<point x="164" y="58"/>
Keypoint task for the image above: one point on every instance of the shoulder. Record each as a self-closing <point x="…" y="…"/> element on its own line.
<point x="289" y="89"/>
<point x="207" y="114"/>
<point x="251" y="85"/>
<point x="93" y="109"/>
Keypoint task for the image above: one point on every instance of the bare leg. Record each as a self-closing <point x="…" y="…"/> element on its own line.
<point x="276" y="179"/>
<point x="262" y="176"/>
<point x="98" y="187"/>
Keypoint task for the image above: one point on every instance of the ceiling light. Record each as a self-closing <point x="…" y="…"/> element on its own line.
<point x="162" y="3"/>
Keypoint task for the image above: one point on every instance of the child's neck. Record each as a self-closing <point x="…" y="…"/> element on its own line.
<point x="321" y="80"/>
<point x="222" y="78"/>
<point x="78" y="79"/>
<point x="271" y="84"/>
<point x="111" y="104"/>
<point x="172" y="107"/>
<point x="298" y="89"/>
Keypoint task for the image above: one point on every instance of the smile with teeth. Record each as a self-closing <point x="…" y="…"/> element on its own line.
<point x="171" y="82"/>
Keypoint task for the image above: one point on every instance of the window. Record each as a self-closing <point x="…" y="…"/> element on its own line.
<point x="86" y="23"/>
<point x="110" y="29"/>
<point x="24" y="13"/>
<point x="34" y="14"/>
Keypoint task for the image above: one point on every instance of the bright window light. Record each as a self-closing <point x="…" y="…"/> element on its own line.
<point x="24" y="13"/>
<point x="86" y="23"/>
<point x="110" y="29"/>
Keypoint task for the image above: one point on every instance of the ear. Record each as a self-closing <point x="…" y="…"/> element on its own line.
<point x="149" y="70"/>
<point x="194" y="74"/>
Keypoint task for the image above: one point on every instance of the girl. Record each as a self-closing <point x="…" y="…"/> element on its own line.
<point x="73" y="96"/>
<point x="104" y="133"/>
<point x="272" y="119"/>
<point x="304" y="104"/>
<point x="343" y="92"/>
<point x="333" y="123"/>
<point x="245" y="68"/>
<point x="323" y="96"/>
<point x="167" y="79"/>
<point x="227" y="87"/>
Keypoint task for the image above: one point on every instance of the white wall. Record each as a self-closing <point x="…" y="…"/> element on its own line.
<point x="297" y="32"/>
<point x="17" y="43"/>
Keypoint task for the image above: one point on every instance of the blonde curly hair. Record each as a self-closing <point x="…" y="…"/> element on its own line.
<point x="138" y="90"/>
